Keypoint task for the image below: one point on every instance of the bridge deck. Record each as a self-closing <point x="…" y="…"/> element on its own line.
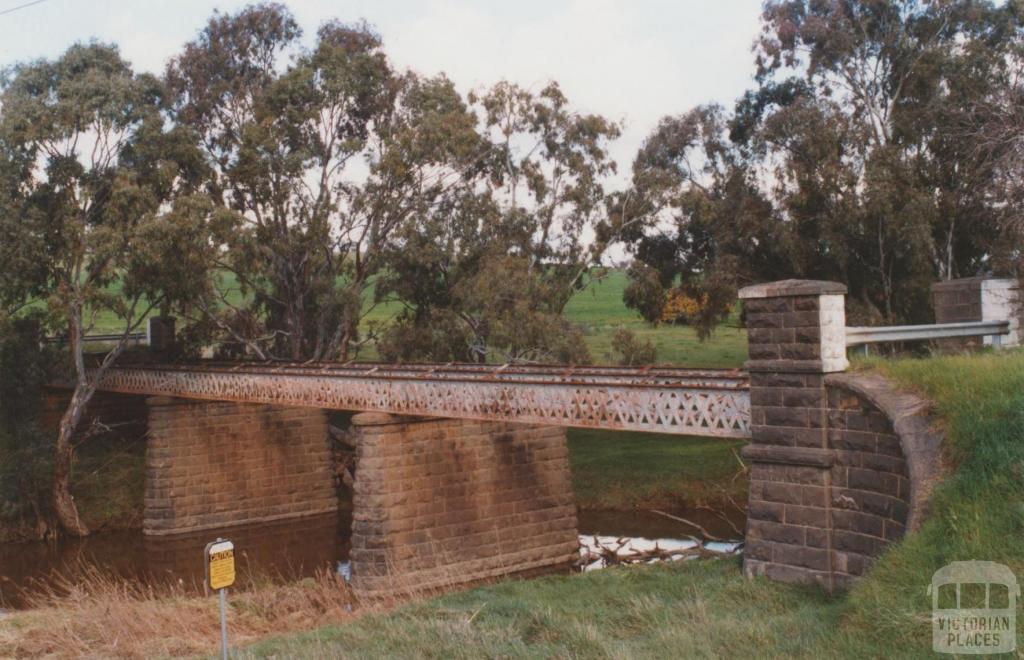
<point x="660" y="400"/>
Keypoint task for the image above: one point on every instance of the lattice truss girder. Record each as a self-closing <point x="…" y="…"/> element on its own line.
<point x="702" y="405"/>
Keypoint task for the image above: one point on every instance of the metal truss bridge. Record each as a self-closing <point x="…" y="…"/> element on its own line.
<point x="658" y="400"/>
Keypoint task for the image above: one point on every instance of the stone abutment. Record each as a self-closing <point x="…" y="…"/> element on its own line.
<point x="841" y="464"/>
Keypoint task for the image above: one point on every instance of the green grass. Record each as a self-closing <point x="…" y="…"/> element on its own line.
<point x="617" y="470"/>
<point x="707" y="609"/>
<point x="599" y="311"/>
<point x="648" y="611"/>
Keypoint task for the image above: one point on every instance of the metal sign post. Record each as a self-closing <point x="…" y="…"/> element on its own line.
<point x="220" y="574"/>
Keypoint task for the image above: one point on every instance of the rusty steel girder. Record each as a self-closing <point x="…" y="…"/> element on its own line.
<point x="660" y="400"/>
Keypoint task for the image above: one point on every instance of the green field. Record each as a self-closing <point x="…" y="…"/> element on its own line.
<point x="623" y="471"/>
<point x="599" y="311"/>
<point x="707" y="608"/>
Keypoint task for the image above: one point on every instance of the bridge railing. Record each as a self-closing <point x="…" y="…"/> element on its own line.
<point x="862" y="336"/>
<point x="665" y="400"/>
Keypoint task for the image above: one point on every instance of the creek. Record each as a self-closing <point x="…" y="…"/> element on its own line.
<point x="289" y="550"/>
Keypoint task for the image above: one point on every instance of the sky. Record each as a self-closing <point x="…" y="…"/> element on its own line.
<point x="631" y="61"/>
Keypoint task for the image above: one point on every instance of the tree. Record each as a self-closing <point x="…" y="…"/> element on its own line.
<point x="22" y="252"/>
<point x="996" y="129"/>
<point x="498" y="261"/>
<point x="847" y="162"/>
<point x="320" y="155"/>
<point x="902" y="75"/>
<point x="629" y="350"/>
<point x="101" y="212"/>
<point x="711" y="228"/>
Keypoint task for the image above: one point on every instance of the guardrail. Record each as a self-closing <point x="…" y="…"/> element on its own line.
<point x="862" y="336"/>
<point x="133" y="337"/>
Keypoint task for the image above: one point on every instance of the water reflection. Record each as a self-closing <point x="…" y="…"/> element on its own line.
<point x="648" y="524"/>
<point x="289" y="549"/>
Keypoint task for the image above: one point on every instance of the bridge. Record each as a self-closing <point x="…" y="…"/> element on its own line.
<point x="462" y="471"/>
<point x="658" y="400"/>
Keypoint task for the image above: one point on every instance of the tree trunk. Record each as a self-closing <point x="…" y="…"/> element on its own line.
<point x="63" y="502"/>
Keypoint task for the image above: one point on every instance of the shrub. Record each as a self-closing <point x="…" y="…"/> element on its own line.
<point x="629" y="350"/>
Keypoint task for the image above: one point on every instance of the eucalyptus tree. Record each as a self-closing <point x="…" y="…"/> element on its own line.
<point x="996" y="128"/>
<point x="320" y="154"/>
<point x="548" y="167"/>
<point x="848" y="160"/>
<point x="892" y="81"/>
<point x="99" y="223"/>
<point x="709" y="226"/>
<point x="487" y="276"/>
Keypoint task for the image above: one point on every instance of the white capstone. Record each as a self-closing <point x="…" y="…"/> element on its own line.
<point x="1000" y="300"/>
<point x="832" y="318"/>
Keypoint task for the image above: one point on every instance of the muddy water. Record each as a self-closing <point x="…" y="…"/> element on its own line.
<point x="291" y="550"/>
<point x="647" y="524"/>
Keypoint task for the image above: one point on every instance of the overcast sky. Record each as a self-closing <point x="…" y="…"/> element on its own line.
<point x="632" y="61"/>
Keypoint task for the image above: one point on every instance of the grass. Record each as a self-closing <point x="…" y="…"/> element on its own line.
<point x="617" y="470"/>
<point x="707" y="609"/>
<point x="97" y="616"/>
<point x="645" y="611"/>
<point x="599" y="310"/>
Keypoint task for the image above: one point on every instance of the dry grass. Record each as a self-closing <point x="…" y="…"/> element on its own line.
<point x="96" y="615"/>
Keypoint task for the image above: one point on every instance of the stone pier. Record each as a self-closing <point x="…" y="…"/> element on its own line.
<point x="445" y="502"/>
<point x="215" y="464"/>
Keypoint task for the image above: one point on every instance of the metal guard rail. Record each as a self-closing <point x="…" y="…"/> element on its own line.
<point x="133" y="337"/>
<point x="858" y="336"/>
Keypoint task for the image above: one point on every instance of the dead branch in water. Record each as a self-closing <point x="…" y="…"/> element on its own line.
<point x="705" y="533"/>
<point x="724" y="518"/>
<point x="613" y="555"/>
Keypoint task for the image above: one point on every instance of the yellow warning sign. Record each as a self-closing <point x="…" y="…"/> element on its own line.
<point x="220" y="564"/>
